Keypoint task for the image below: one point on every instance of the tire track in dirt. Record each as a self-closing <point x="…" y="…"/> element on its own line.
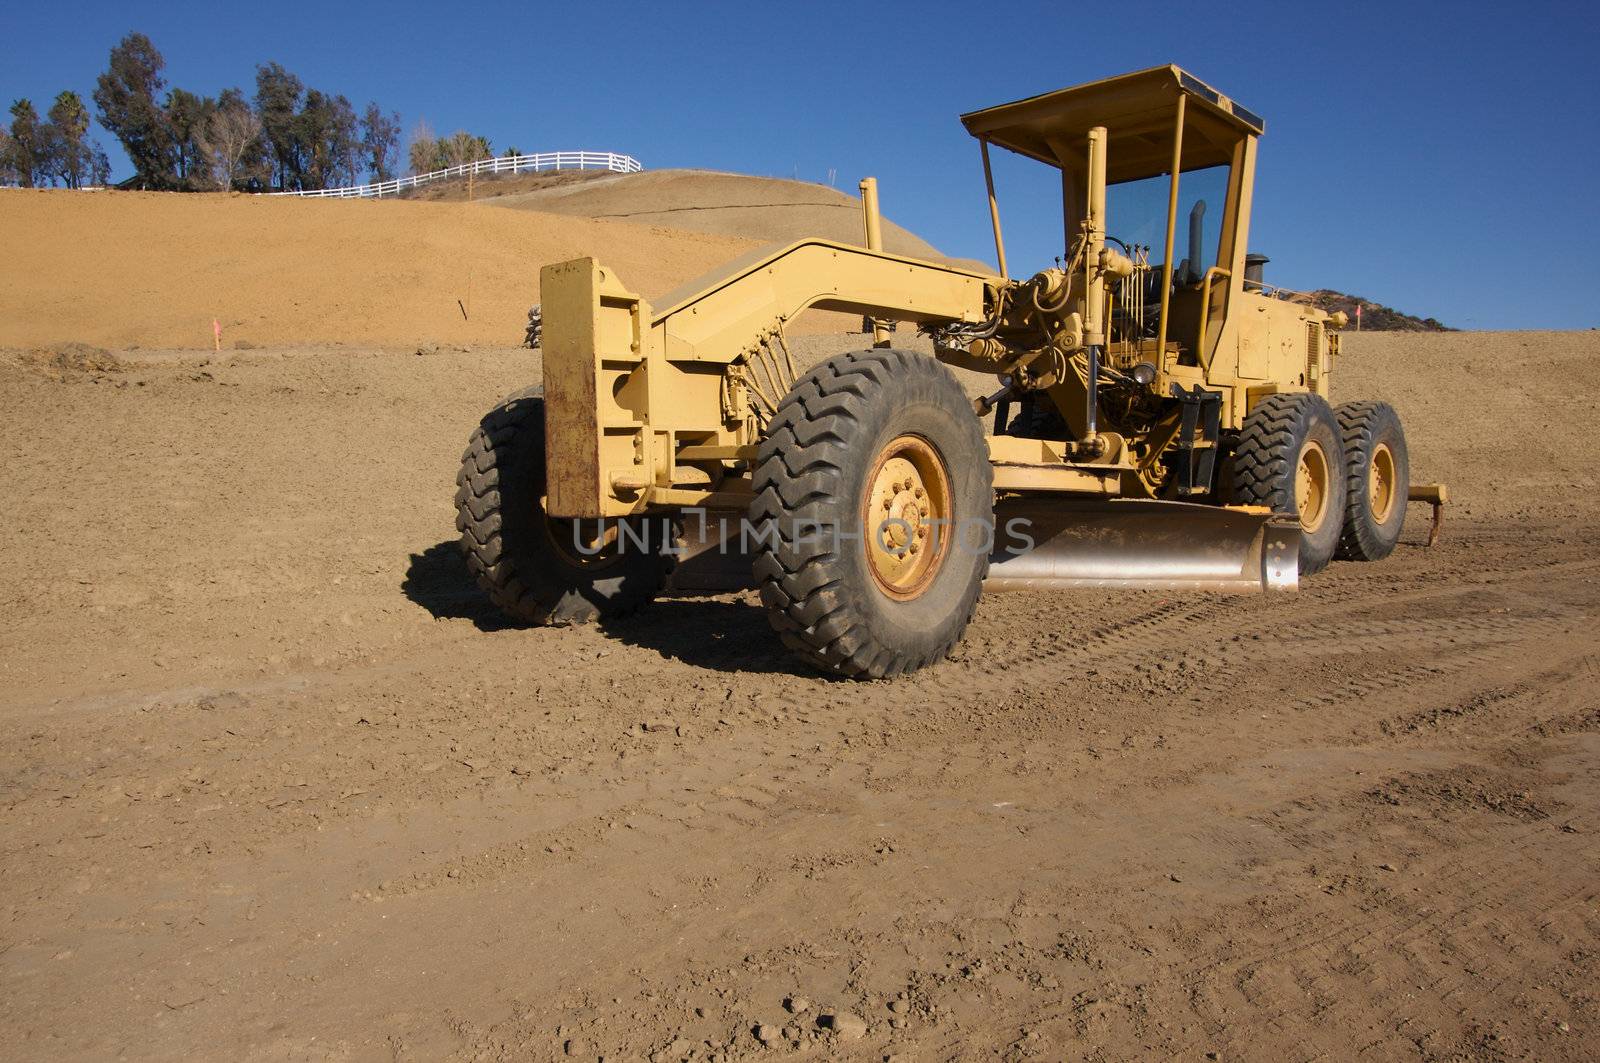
<point x="1213" y="661"/>
<point x="1385" y="971"/>
<point x="1399" y="945"/>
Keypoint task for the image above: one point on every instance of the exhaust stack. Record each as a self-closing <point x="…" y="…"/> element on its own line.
<point x="1197" y="227"/>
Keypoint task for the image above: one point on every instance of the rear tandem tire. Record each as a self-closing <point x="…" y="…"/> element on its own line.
<point x="529" y="564"/>
<point x="1378" y="473"/>
<point x="872" y="490"/>
<point x="1290" y="458"/>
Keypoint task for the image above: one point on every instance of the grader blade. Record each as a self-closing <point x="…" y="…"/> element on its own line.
<point x="710" y="554"/>
<point x="1055" y="543"/>
<point x="1144" y="545"/>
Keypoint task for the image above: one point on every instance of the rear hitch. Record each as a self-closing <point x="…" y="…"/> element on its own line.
<point x="1436" y="495"/>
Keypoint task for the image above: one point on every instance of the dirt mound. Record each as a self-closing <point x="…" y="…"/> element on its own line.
<point x="1491" y="413"/>
<point x="764" y="209"/>
<point x="155" y="270"/>
<point x="61" y="360"/>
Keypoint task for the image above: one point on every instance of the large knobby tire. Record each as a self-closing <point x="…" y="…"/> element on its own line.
<point x="536" y="569"/>
<point x="874" y="501"/>
<point x="1378" y="476"/>
<point x="1290" y="458"/>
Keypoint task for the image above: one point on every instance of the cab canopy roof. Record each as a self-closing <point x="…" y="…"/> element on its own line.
<point x="1140" y="113"/>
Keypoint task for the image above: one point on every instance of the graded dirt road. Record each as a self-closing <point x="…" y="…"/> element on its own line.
<point x="275" y="783"/>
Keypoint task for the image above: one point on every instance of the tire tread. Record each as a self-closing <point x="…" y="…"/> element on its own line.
<point x="796" y="476"/>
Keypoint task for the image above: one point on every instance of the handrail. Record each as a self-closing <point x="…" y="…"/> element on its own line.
<point x="1205" y="310"/>
<point x="549" y="160"/>
<point x="1273" y="291"/>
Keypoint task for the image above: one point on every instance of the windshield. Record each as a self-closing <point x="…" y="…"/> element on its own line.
<point x="1136" y="213"/>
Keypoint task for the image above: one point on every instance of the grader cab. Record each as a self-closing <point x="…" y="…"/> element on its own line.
<point x="1159" y="422"/>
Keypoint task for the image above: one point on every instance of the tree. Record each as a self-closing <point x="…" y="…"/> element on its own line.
<point x="29" y="154"/>
<point x="462" y="147"/>
<point x="342" y="140"/>
<point x="188" y="115"/>
<point x="423" y="153"/>
<point x="235" y="150"/>
<point x="99" y="165"/>
<point x="428" y="154"/>
<point x="8" y="166"/>
<point x="380" y="142"/>
<point x="71" y="152"/>
<point x="126" y="96"/>
<point x="278" y="106"/>
<point x="330" y="146"/>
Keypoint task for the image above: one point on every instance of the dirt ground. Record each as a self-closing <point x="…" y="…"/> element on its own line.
<point x="275" y="782"/>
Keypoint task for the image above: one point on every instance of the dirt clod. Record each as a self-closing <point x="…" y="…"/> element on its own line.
<point x="847" y="1025"/>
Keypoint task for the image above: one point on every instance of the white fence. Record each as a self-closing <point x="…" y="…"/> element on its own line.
<point x="550" y="160"/>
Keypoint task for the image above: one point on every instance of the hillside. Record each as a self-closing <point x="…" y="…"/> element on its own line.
<point x="1375" y="317"/>
<point x="487" y="186"/>
<point x="153" y="269"/>
<point x="764" y="209"/>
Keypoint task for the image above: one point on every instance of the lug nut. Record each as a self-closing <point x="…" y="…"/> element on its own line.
<point x="920" y="492"/>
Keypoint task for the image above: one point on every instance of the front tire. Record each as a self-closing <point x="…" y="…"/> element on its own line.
<point x="1378" y="475"/>
<point x="535" y="568"/>
<point x="874" y="501"/>
<point x="1290" y="458"/>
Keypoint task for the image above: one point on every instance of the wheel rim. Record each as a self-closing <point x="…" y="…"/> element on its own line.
<point x="906" y="517"/>
<point x="1311" y="486"/>
<point x="1381" y="486"/>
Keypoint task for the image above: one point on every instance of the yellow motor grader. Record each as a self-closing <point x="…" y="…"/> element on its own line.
<point x="1159" y="422"/>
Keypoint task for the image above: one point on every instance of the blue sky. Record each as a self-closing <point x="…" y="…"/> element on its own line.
<point x="1441" y="158"/>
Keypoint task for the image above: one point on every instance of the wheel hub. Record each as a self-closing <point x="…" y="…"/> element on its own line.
<point x="906" y="517"/>
<point x="1311" y="486"/>
<point x="1381" y="488"/>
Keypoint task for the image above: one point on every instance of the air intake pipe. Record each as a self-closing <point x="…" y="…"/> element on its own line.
<point x="1255" y="269"/>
